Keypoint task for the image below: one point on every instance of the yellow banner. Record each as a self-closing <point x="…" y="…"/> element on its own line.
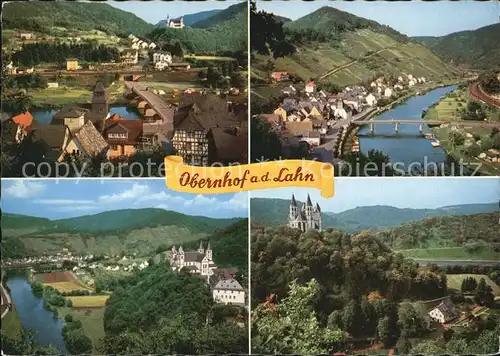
<point x="275" y="174"/>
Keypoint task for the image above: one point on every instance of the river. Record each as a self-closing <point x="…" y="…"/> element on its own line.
<point x="406" y="146"/>
<point x="44" y="116"/>
<point x="34" y="316"/>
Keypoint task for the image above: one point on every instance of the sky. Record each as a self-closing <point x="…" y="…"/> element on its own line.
<point x="412" y="18"/>
<point x="155" y="11"/>
<point x="60" y="198"/>
<point x="413" y="193"/>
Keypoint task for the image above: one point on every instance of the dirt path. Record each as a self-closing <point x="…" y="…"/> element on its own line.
<point x="334" y="70"/>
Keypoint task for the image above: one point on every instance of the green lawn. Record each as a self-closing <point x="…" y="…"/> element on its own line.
<point x="454" y="281"/>
<point x="458" y="253"/>
<point x="93" y="324"/>
<point x="11" y="325"/>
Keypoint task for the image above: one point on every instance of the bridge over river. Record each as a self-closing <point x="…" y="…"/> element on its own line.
<point x="153" y="106"/>
<point x="420" y="123"/>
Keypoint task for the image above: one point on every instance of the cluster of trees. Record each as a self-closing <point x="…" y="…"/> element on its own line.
<point x="52" y="298"/>
<point x="36" y="53"/>
<point x="473" y="111"/>
<point x="25" y="81"/>
<point x="483" y="293"/>
<point x="174" y="48"/>
<point x="221" y="76"/>
<point x="75" y="339"/>
<point x="161" y="311"/>
<point x="25" y="344"/>
<point x="489" y="82"/>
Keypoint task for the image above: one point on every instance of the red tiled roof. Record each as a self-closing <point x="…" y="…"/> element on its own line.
<point x="115" y="117"/>
<point x="23" y="120"/>
<point x="310" y="84"/>
<point x="133" y="128"/>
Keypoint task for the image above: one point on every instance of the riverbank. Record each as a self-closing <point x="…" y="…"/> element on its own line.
<point x="475" y="146"/>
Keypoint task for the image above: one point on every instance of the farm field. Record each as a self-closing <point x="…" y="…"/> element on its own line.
<point x="62" y="281"/>
<point x="89" y="301"/>
<point x="92" y="323"/>
<point x="454" y="281"/>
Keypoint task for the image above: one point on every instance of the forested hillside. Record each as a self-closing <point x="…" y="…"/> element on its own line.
<point x="161" y="311"/>
<point x="43" y="16"/>
<point x="471" y="231"/>
<point x="478" y="49"/>
<point x="226" y="33"/>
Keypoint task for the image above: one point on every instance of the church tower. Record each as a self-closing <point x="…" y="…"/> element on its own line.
<point x="181" y="257"/>
<point x="293" y="208"/>
<point x="208" y="252"/>
<point x="201" y="249"/>
<point x="99" y="101"/>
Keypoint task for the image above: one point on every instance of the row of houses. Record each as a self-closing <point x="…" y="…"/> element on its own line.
<point x="137" y="43"/>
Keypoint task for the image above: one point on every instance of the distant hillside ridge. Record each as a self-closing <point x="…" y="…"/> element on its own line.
<point x="192" y="18"/>
<point x="125" y="219"/>
<point x="139" y="230"/>
<point x="41" y="16"/>
<point x="222" y="16"/>
<point x="478" y="49"/>
<point x="274" y="212"/>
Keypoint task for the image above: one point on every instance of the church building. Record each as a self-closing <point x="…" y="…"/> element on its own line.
<point x="175" y="23"/>
<point x="306" y="217"/>
<point x="222" y="281"/>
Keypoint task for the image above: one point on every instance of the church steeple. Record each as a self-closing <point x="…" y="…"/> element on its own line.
<point x="309" y="203"/>
<point x="208" y="251"/>
<point x="201" y="249"/>
<point x="99" y="101"/>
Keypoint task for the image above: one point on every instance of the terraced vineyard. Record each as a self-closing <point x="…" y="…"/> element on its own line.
<point x="359" y="55"/>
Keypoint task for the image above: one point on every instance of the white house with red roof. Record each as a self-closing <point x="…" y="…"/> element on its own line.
<point x="310" y="88"/>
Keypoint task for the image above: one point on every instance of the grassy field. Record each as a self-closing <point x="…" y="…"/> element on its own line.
<point x="11" y="325"/>
<point x="72" y="94"/>
<point x="67" y="286"/>
<point x="208" y="58"/>
<point x="92" y="322"/>
<point x="451" y="253"/>
<point x="90" y="301"/>
<point x="454" y="281"/>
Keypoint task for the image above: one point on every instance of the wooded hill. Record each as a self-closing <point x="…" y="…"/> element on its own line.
<point x="477" y="49"/>
<point x="225" y="31"/>
<point x="328" y="39"/>
<point x="141" y="231"/>
<point x="43" y="16"/>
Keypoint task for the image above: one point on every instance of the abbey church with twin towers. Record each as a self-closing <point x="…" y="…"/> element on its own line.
<point x="306" y="217"/>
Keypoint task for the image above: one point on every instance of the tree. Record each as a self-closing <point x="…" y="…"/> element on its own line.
<point x="484" y="294"/>
<point x="469" y="284"/>
<point x="291" y="326"/>
<point x="68" y="318"/>
<point x="409" y="320"/>
<point x="77" y="342"/>
<point x="489" y="82"/>
<point x="456" y="138"/>
<point x="265" y="143"/>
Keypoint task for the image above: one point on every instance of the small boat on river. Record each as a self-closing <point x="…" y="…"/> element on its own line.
<point x="435" y="143"/>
